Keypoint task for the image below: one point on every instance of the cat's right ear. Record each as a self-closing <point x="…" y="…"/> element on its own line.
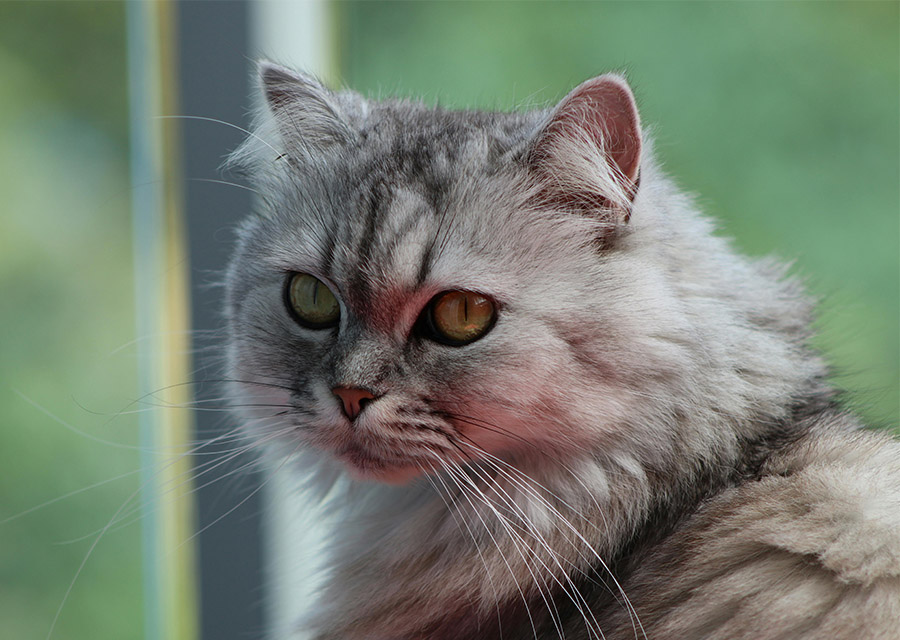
<point x="308" y="115"/>
<point x="588" y="153"/>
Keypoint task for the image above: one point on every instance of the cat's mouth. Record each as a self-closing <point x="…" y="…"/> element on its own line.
<point x="364" y="465"/>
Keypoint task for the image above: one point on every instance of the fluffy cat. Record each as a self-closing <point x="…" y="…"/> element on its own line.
<point x="540" y="398"/>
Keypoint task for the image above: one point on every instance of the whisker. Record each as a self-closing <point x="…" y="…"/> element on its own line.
<point x="246" y="498"/>
<point x="115" y="519"/>
<point x="575" y="595"/>
<point x="186" y="476"/>
<point x="460" y="522"/>
<point x="72" y="428"/>
<point x="577" y="533"/>
<point x="458" y="474"/>
<point x="68" y="495"/>
<point x="223" y="122"/>
<point x="226" y="182"/>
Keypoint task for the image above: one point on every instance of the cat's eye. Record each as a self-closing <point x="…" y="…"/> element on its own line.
<point x="311" y="302"/>
<point x="459" y="317"/>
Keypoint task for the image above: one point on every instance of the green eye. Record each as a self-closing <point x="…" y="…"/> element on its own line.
<point x="311" y="302"/>
<point x="460" y="317"/>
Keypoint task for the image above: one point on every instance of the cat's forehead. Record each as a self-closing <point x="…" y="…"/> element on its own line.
<point x="408" y="245"/>
<point x="417" y="192"/>
<point x="388" y="237"/>
<point x="430" y="150"/>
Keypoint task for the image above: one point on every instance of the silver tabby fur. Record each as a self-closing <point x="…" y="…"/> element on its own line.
<point x="644" y="446"/>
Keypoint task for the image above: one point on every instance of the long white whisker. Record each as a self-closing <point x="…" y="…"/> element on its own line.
<point x="69" y="495"/>
<point x="460" y="475"/>
<point x="574" y="530"/>
<point x="562" y="519"/>
<point x="459" y="524"/>
<point x="574" y="595"/>
<point x="246" y="498"/>
<point x="72" y="428"/>
<point x="448" y="468"/>
<point x="223" y="122"/>
<point x="226" y="182"/>
<point x="114" y="520"/>
<point x="185" y="477"/>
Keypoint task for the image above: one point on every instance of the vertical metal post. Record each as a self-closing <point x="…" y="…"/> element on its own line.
<point x="214" y="71"/>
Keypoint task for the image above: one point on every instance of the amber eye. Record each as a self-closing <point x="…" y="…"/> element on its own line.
<point x="459" y="317"/>
<point x="311" y="302"/>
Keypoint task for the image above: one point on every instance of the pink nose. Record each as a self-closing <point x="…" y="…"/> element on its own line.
<point x="353" y="400"/>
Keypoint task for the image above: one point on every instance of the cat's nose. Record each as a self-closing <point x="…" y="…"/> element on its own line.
<point x="353" y="400"/>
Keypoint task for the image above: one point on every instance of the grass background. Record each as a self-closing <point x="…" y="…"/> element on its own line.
<point x="782" y="116"/>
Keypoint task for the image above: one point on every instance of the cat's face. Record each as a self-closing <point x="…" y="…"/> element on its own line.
<point x="410" y="295"/>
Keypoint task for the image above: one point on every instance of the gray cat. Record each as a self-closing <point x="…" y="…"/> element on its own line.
<point x="540" y="398"/>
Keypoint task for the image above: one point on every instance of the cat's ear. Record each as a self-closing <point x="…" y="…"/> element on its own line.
<point x="588" y="153"/>
<point x="307" y="114"/>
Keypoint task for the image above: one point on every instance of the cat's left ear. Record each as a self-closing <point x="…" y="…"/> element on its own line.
<point x="587" y="155"/>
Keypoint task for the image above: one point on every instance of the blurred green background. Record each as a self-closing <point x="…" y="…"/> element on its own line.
<point x="66" y="282"/>
<point x="782" y="116"/>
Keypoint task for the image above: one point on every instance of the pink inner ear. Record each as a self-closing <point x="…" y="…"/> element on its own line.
<point x="620" y="121"/>
<point x="605" y="110"/>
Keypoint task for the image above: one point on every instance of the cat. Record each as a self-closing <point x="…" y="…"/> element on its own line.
<point x="538" y="397"/>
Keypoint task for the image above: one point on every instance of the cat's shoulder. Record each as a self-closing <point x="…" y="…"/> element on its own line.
<point x="809" y="549"/>
<point x="833" y="499"/>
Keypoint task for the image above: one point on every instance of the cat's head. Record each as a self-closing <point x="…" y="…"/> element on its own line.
<point x="425" y="286"/>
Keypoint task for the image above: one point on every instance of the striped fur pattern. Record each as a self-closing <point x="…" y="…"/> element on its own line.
<point x="643" y="446"/>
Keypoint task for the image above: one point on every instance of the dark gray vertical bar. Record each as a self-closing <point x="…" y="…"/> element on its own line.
<point x="214" y="78"/>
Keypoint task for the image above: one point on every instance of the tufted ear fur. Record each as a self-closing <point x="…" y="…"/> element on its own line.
<point x="307" y="114"/>
<point x="588" y="153"/>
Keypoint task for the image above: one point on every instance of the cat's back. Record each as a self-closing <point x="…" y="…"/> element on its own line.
<point x="808" y="549"/>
